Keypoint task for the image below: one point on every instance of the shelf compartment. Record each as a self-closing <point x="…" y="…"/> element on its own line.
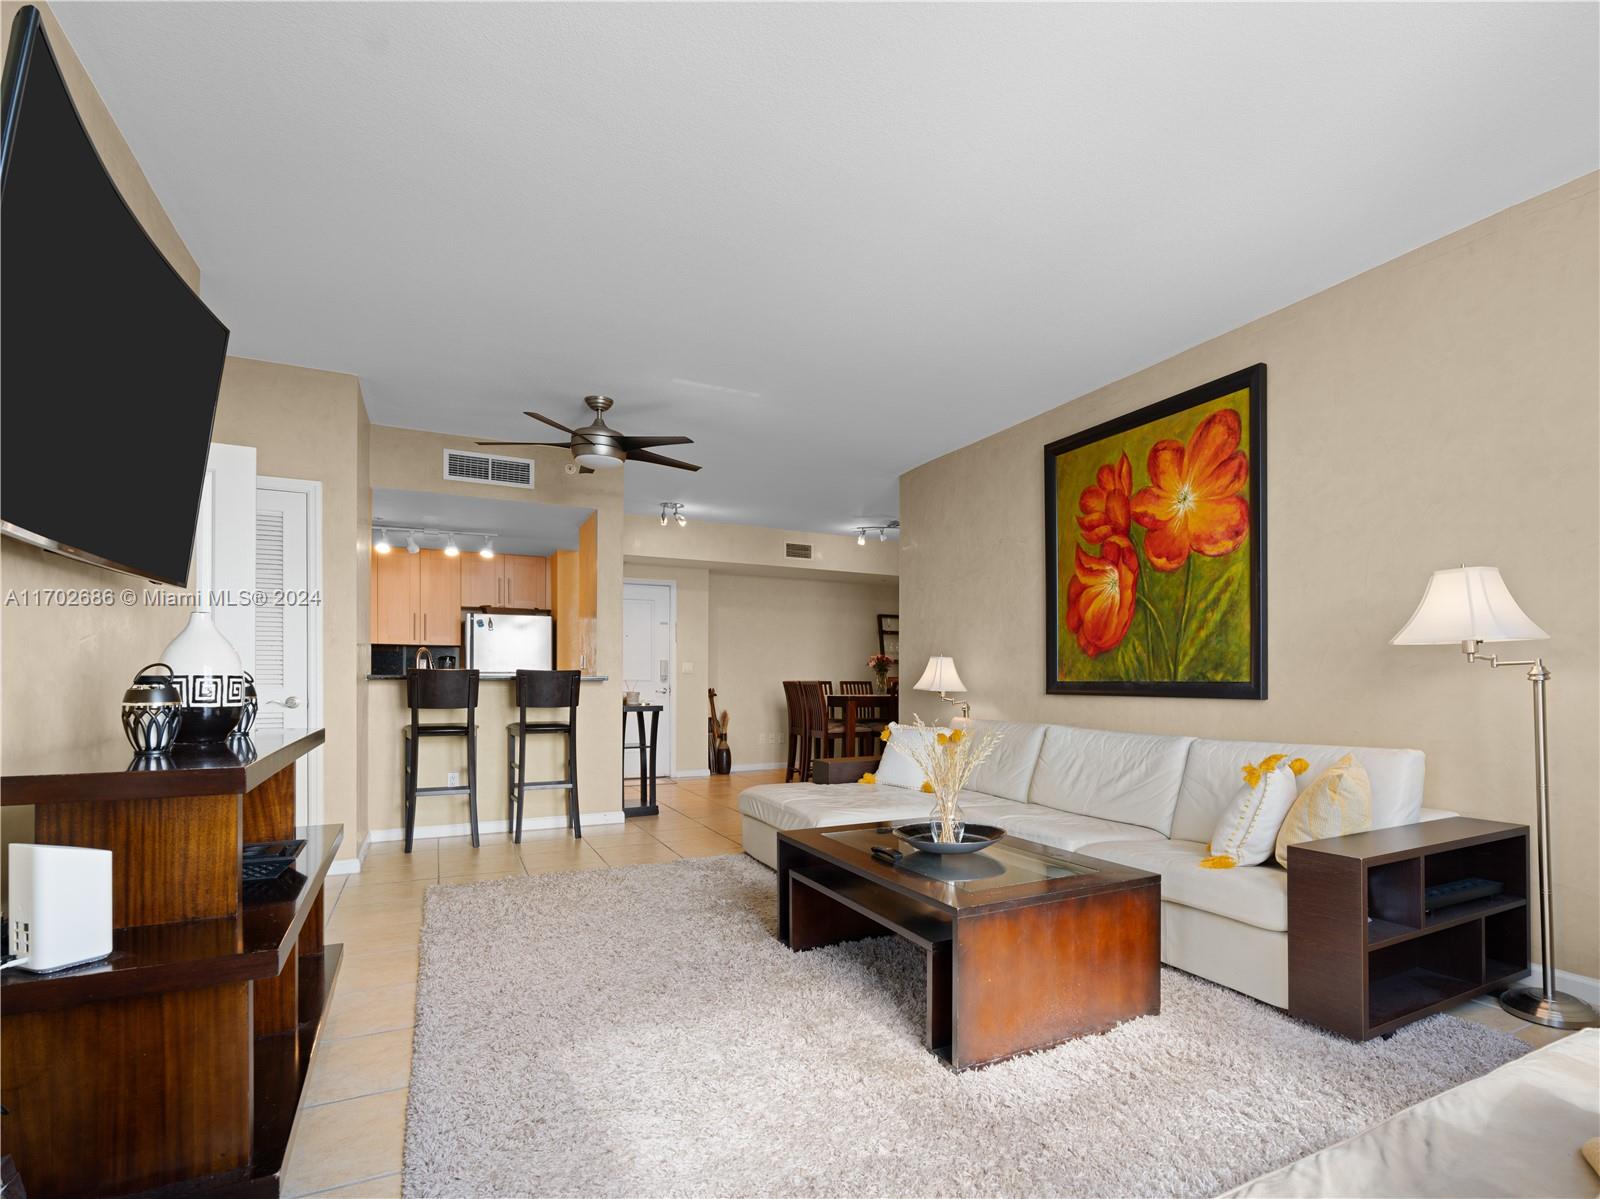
<point x="1505" y="944"/>
<point x="1505" y="861"/>
<point x="1424" y="972"/>
<point x="1394" y="895"/>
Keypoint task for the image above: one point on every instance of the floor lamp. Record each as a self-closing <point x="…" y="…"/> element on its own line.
<point x="1466" y="607"/>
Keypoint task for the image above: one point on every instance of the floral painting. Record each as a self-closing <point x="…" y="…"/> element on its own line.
<point x="1155" y="527"/>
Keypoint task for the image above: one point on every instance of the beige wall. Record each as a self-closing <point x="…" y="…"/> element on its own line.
<point x="714" y="544"/>
<point x="765" y="629"/>
<point x="309" y="424"/>
<point x="1439" y="409"/>
<point x="413" y="461"/>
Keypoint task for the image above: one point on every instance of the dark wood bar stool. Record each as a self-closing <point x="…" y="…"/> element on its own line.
<point x="435" y="690"/>
<point x="544" y="689"/>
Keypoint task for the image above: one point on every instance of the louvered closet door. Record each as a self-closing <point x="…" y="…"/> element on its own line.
<point x="283" y="668"/>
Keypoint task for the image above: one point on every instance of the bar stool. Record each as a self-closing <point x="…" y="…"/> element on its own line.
<point x="431" y="690"/>
<point x="543" y="689"/>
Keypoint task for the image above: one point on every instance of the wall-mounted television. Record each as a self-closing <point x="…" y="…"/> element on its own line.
<point x="109" y="362"/>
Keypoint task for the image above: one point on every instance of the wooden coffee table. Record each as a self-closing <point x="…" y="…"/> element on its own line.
<point x="1026" y="946"/>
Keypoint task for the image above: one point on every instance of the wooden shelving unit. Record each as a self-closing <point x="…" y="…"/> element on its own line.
<point x="1366" y="956"/>
<point x="176" y="1065"/>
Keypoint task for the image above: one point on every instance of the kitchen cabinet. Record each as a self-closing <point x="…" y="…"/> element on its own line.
<point x="416" y="599"/>
<point x="504" y="581"/>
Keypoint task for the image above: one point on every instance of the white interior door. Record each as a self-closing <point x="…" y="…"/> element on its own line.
<point x="647" y="652"/>
<point x="286" y="635"/>
<point x="224" y="544"/>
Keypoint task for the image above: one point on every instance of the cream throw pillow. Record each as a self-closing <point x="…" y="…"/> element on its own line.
<point x="1338" y="802"/>
<point x="1244" y="835"/>
<point x="897" y="769"/>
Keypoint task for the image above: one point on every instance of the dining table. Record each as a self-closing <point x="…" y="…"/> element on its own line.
<point x="849" y="708"/>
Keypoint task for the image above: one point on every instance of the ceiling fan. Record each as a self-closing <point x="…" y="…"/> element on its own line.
<point x="597" y="446"/>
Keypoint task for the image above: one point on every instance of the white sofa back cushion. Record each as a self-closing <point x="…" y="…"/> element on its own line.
<point x="1006" y="773"/>
<point x="1132" y="778"/>
<point x="1211" y="781"/>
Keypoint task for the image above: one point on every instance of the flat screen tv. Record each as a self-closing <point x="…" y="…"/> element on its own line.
<point x="109" y="362"/>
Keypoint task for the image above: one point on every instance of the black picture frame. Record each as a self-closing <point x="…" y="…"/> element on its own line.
<point x="1253" y="379"/>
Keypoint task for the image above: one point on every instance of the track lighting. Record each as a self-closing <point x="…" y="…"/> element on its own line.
<point x="882" y="531"/>
<point x="451" y="549"/>
<point x="382" y="545"/>
<point x="670" y="512"/>
<point x="664" y="516"/>
<point x="861" y="537"/>
<point x="411" y="544"/>
<point x="488" y="546"/>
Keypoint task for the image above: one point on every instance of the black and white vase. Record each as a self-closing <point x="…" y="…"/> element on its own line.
<point x="211" y="679"/>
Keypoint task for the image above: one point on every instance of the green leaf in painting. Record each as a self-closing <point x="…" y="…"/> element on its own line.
<point x="1221" y="611"/>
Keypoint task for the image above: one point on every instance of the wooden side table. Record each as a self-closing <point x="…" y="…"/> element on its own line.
<point x="1366" y="955"/>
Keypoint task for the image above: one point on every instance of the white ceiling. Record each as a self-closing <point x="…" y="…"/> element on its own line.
<point x="520" y="527"/>
<point x="827" y="241"/>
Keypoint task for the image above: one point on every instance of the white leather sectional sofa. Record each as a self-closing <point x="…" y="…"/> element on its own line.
<point x="1131" y="798"/>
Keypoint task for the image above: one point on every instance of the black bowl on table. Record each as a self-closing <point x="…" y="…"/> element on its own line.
<point x="973" y="837"/>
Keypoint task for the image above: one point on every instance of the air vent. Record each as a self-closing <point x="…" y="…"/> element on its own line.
<point x="467" y="467"/>
<point x="796" y="549"/>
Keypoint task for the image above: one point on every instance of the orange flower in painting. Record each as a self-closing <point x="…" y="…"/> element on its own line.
<point x="1105" y="505"/>
<point x="1101" y="594"/>
<point x="1193" y="501"/>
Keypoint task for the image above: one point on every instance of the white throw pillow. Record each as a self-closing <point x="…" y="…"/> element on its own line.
<point x="1248" y="830"/>
<point x="898" y="770"/>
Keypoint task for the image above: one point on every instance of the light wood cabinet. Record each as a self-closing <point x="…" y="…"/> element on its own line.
<point x="525" y="582"/>
<point x="416" y="599"/>
<point x="504" y="581"/>
<point x="439" y="598"/>
<point x="394" y="598"/>
<point x="481" y="581"/>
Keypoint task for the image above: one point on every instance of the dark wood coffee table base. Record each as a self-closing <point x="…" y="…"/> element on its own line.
<point x="1005" y="977"/>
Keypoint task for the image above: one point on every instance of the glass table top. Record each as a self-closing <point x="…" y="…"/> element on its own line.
<point x="1006" y="863"/>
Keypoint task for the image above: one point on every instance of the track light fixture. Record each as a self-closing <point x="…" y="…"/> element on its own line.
<point x="381" y="545"/>
<point x="670" y="512"/>
<point x="411" y="544"/>
<point x="488" y="546"/>
<point x="451" y="549"/>
<point x="881" y="530"/>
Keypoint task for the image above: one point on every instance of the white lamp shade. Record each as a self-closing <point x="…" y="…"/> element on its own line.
<point x="940" y="676"/>
<point x="1470" y="603"/>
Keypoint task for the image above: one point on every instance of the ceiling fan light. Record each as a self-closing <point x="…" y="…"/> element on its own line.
<point x="596" y="461"/>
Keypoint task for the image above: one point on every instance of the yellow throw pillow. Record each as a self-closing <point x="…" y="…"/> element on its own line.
<point x="1335" y="803"/>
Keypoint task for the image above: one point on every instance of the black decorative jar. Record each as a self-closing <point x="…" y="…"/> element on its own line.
<point x="152" y="711"/>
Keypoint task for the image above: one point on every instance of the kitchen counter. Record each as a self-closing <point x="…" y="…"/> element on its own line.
<point x="400" y="678"/>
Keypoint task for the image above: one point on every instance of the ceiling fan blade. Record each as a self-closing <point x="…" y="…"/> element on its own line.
<point x="658" y="459"/>
<point x="632" y="443"/>
<point x="547" y="420"/>
<point x="560" y="445"/>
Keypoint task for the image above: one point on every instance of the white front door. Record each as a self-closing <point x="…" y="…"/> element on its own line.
<point x="286" y="634"/>
<point x="647" y="639"/>
<point x="224" y="544"/>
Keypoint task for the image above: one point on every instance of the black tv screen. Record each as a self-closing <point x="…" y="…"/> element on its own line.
<point x="109" y="362"/>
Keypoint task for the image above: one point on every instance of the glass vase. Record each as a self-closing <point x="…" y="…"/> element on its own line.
<point x="948" y="821"/>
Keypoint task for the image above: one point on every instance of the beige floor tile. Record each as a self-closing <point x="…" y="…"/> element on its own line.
<point x="1538" y="1035"/>
<point x="386" y="1187"/>
<point x="397" y="895"/>
<point x="331" y="886"/>
<point x="381" y="968"/>
<point x="483" y="876"/>
<point x="729" y="824"/>
<point x="342" y="1143"/>
<point x="694" y="838"/>
<point x="592" y="862"/>
<point x="422" y="865"/>
<point x="556" y="850"/>
<point x="364" y="943"/>
<point x="378" y="1009"/>
<point x="637" y="855"/>
<point x="466" y="860"/>
<point x="353" y="1066"/>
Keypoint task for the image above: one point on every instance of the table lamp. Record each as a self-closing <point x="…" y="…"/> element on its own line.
<point x="941" y="676"/>
<point x="1468" y="606"/>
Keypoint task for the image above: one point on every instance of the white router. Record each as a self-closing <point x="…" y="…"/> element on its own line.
<point x="60" y="906"/>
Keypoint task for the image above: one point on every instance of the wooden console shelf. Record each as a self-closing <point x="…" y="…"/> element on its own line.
<point x="176" y="1065"/>
<point x="1366" y="956"/>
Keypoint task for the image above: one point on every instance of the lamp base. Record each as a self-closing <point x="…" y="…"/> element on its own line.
<point x="1554" y="1011"/>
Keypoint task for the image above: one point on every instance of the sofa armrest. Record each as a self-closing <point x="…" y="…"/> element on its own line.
<point x="840" y="770"/>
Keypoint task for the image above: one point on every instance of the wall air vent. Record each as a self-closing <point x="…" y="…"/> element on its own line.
<point x="465" y="466"/>
<point x="796" y="549"/>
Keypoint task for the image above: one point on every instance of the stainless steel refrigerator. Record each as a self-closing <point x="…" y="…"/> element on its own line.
<point x="504" y="644"/>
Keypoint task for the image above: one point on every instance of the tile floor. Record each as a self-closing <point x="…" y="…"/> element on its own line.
<point x="350" y="1137"/>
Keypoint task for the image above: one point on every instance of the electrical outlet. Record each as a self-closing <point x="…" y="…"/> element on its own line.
<point x="453" y="779"/>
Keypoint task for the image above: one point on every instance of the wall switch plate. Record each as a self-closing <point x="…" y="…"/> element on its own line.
<point x="453" y="779"/>
<point x="688" y="667"/>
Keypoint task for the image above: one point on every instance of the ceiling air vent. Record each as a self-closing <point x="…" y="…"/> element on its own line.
<point x="796" y="549"/>
<point x="464" y="466"/>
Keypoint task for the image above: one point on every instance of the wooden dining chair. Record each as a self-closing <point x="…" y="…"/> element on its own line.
<point x="796" y="738"/>
<point x="821" y="732"/>
<point x="855" y="687"/>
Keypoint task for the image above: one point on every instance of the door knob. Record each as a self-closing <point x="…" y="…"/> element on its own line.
<point x="289" y="701"/>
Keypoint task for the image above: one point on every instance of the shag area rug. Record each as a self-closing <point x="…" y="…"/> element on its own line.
<point x="641" y="1032"/>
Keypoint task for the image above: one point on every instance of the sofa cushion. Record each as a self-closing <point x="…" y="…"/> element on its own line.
<point x="1257" y="895"/>
<point x="1211" y="780"/>
<point x="1006" y="773"/>
<point x="806" y="805"/>
<point x="1131" y="778"/>
<point x="1066" y="830"/>
<point x="896" y="768"/>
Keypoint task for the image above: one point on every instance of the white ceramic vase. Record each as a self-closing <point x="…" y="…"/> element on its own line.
<point x="211" y="679"/>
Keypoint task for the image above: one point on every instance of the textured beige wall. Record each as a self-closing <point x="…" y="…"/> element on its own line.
<point x="307" y="424"/>
<point x="1439" y="409"/>
<point x="765" y="629"/>
<point x="714" y="544"/>
<point x="414" y="461"/>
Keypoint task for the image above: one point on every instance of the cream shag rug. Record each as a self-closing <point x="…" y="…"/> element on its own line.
<point x="640" y="1032"/>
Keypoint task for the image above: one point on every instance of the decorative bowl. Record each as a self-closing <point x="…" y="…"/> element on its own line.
<point x="973" y="837"/>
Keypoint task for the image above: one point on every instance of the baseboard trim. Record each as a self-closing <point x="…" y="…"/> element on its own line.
<point x="493" y="826"/>
<point x="691" y="774"/>
<point x="1581" y="985"/>
<point x="352" y="865"/>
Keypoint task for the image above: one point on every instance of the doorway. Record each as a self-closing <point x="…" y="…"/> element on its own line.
<point x="649" y="639"/>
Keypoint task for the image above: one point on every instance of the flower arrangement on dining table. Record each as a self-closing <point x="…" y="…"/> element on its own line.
<point x="947" y="760"/>
<point x="880" y="665"/>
